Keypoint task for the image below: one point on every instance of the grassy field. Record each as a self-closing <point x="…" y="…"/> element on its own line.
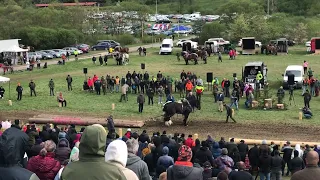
<point x="81" y="102"/>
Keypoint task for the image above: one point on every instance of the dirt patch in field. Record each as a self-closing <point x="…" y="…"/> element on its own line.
<point x="217" y="129"/>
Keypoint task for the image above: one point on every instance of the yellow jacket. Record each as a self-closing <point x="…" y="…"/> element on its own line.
<point x="259" y="76"/>
<point x="199" y="89"/>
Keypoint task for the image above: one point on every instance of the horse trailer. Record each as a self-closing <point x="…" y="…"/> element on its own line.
<point x="251" y="70"/>
<point x="248" y="46"/>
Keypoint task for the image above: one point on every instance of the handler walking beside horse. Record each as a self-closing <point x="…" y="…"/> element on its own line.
<point x="229" y="113"/>
<point x="199" y="91"/>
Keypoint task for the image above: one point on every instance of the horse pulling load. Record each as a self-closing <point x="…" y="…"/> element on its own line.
<point x="121" y="55"/>
<point x="172" y="108"/>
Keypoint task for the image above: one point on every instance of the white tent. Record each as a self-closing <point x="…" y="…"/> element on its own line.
<point x="4" y="79"/>
<point x="15" y="48"/>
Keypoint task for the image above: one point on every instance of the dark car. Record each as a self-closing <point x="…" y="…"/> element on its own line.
<point x="112" y="43"/>
<point x="83" y="47"/>
<point x="101" y="46"/>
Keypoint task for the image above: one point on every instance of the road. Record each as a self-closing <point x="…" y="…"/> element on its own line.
<point x="82" y="57"/>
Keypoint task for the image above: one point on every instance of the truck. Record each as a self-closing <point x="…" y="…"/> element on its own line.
<point x="250" y="71"/>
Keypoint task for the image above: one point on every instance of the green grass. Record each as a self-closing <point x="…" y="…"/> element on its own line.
<point x="81" y="102"/>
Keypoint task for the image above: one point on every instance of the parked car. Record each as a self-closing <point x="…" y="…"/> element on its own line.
<point x="83" y="47"/>
<point x="53" y="53"/>
<point x="61" y="51"/>
<point x="220" y="41"/>
<point x="72" y="49"/>
<point x="45" y="55"/>
<point x="112" y="43"/>
<point x="34" y="54"/>
<point x="101" y="46"/>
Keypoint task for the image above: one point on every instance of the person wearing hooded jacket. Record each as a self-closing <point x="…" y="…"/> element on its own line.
<point x="165" y="160"/>
<point x="216" y="150"/>
<point x="296" y="164"/>
<point x="12" y="147"/>
<point x="91" y="164"/>
<point x="134" y="162"/>
<point x="183" y="169"/>
<point x="117" y="155"/>
<point x="204" y="154"/>
<point x="298" y="148"/>
<point x="63" y="150"/>
<point x="44" y="164"/>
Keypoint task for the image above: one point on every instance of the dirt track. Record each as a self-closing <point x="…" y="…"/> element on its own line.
<point x="219" y="129"/>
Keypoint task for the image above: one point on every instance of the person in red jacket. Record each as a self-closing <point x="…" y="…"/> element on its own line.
<point x="189" y="87"/>
<point x="189" y="142"/>
<point x="90" y="84"/>
<point x="44" y="165"/>
<point x="95" y="77"/>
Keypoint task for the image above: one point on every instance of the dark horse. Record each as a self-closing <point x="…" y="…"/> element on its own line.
<point x="190" y="57"/>
<point x="269" y="49"/>
<point x="172" y="108"/>
<point x="122" y="49"/>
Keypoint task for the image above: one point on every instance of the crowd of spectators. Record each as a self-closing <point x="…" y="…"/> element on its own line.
<point x="96" y="153"/>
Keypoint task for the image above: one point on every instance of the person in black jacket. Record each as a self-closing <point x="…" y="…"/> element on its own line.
<point x="287" y="152"/>
<point x="144" y="137"/>
<point x="226" y="88"/>
<point x="140" y="101"/>
<point x="241" y="174"/>
<point x="307" y="98"/>
<point x="296" y="164"/>
<point x="19" y="90"/>
<point x="253" y="155"/>
<point x="264" y="164"/>
<point x="97" y="86"/>
<point x="243" y="150"/>
<point x="2" y="90"/>
<point x="32" y="87"/>
<point x="229" y="113"/>
<point x="204" y="154"/>
<point x="69" y="82"/>
<point x="100" y="60"/>
<point x="150" y="94"/>
<point x="276" y="165"/>
<point x="105" y="59"/>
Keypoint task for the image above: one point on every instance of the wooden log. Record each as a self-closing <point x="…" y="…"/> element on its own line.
<point x="280" y="106"/>
<point x="84" y="122"/>
<point x="120" y="132"/>
<point x="292" y="143"/>
<point x="300" y="116"/>
<point x="268" y="103"/>
<point x="10" y="103"/>
<point x="255" y="104"/>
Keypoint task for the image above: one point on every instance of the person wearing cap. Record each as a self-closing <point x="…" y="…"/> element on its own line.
<point x="19" y="90"/>
<point x="128" y="133"/>
<point x="183" y="169"/>
<point x="224" y="162"/>
<point x="134" y="162"/>
<point x="92" y="164"/>
<point x="287" y="152"/>
<point x="264" y="146"/>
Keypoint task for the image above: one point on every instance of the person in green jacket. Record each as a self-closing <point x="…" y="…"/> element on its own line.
<point x="91" y="164"/>
<point x="310" y="73"/>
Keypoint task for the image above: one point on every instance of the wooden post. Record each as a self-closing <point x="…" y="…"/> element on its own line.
<point x="300" y="116"/>
<point x="60" y="104"/>
<point x="10" y="103"/>
<point x="113" y="106"/>
<point x="120" y="132"/>
<point x="232" y="112"/>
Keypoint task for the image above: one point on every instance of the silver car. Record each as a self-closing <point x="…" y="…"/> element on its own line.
<point x="34" y="54"/>
<point x="53" y="53"/>
<point x="45" y="55"/>
<point x="61" y="51"/>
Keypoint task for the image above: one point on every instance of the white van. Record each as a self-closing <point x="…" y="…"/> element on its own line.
<point x="297" y="71"/>
<point x="166" y="46"/>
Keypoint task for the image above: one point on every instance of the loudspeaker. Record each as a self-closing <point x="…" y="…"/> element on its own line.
<point x="291" y="79"/>
<point x="234" y="75"/>
<point x="209" y="77"/>
<point x="85" y="70"/>
<point x="143" y="66"/>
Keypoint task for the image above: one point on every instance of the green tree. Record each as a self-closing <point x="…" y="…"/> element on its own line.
<point x="299" y="33"/>
<point x="239" y="28"/>
<point x="211" y="30"/>
<point x="197" y="27"/>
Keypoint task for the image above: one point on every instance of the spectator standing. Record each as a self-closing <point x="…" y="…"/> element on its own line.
<point x="220" y="98"/>
<point x="63" y="150"/>
<point x="307" y="99"/>
<point x="19" y="90"/>
<point x="216" y="150"/>
<point x="100" y="60"/>
<point x="189" y="141"/>
<point x="140" y="101"/>
<point x="264" y="164"/>
<point x="312" y="171"/>
<point x="296" y="164"/>
<point x="204" y="154"/>
<point x="94" y="60"/>
<point x="104" y="85"/>
<point x="305" y="66"/>
<point x="241" y="174"/>
<point x="150" y="94"/>
<point x="276" y="166"/>
<point x="219" y="57"/>
<point x="224" y="162"/>
<point x="44" y="164"/>
<point x="124" y="90"/>
<point x="165" y="160"/>
<point x="32" y="87"/>
<point x="243" y="150"/>
<point x="51" y="87"/>
<point x="183" y="169"/>
<point x="117" y="154"/>
<point x="13" y="143"/>
<point x="91" y="164"/>
<point x="310" y="73"/>
<point x="253" y="155"/>
<point x="105" y="59"/>
<point x="287" y="152"/>
<point x="97" y="86"/>
<point x="69" y="82"/>
<point x="160" y="94"/>
<point x="134" y="162"/>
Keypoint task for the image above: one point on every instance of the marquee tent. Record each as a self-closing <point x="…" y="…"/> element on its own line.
<point x="15" y="48"/>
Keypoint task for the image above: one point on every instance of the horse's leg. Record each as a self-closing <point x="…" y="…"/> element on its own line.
<point x="185" y="120"/>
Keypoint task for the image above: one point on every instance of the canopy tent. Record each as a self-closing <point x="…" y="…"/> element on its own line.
<point x="14" y="48"/>
<point x="3" y="80"/>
